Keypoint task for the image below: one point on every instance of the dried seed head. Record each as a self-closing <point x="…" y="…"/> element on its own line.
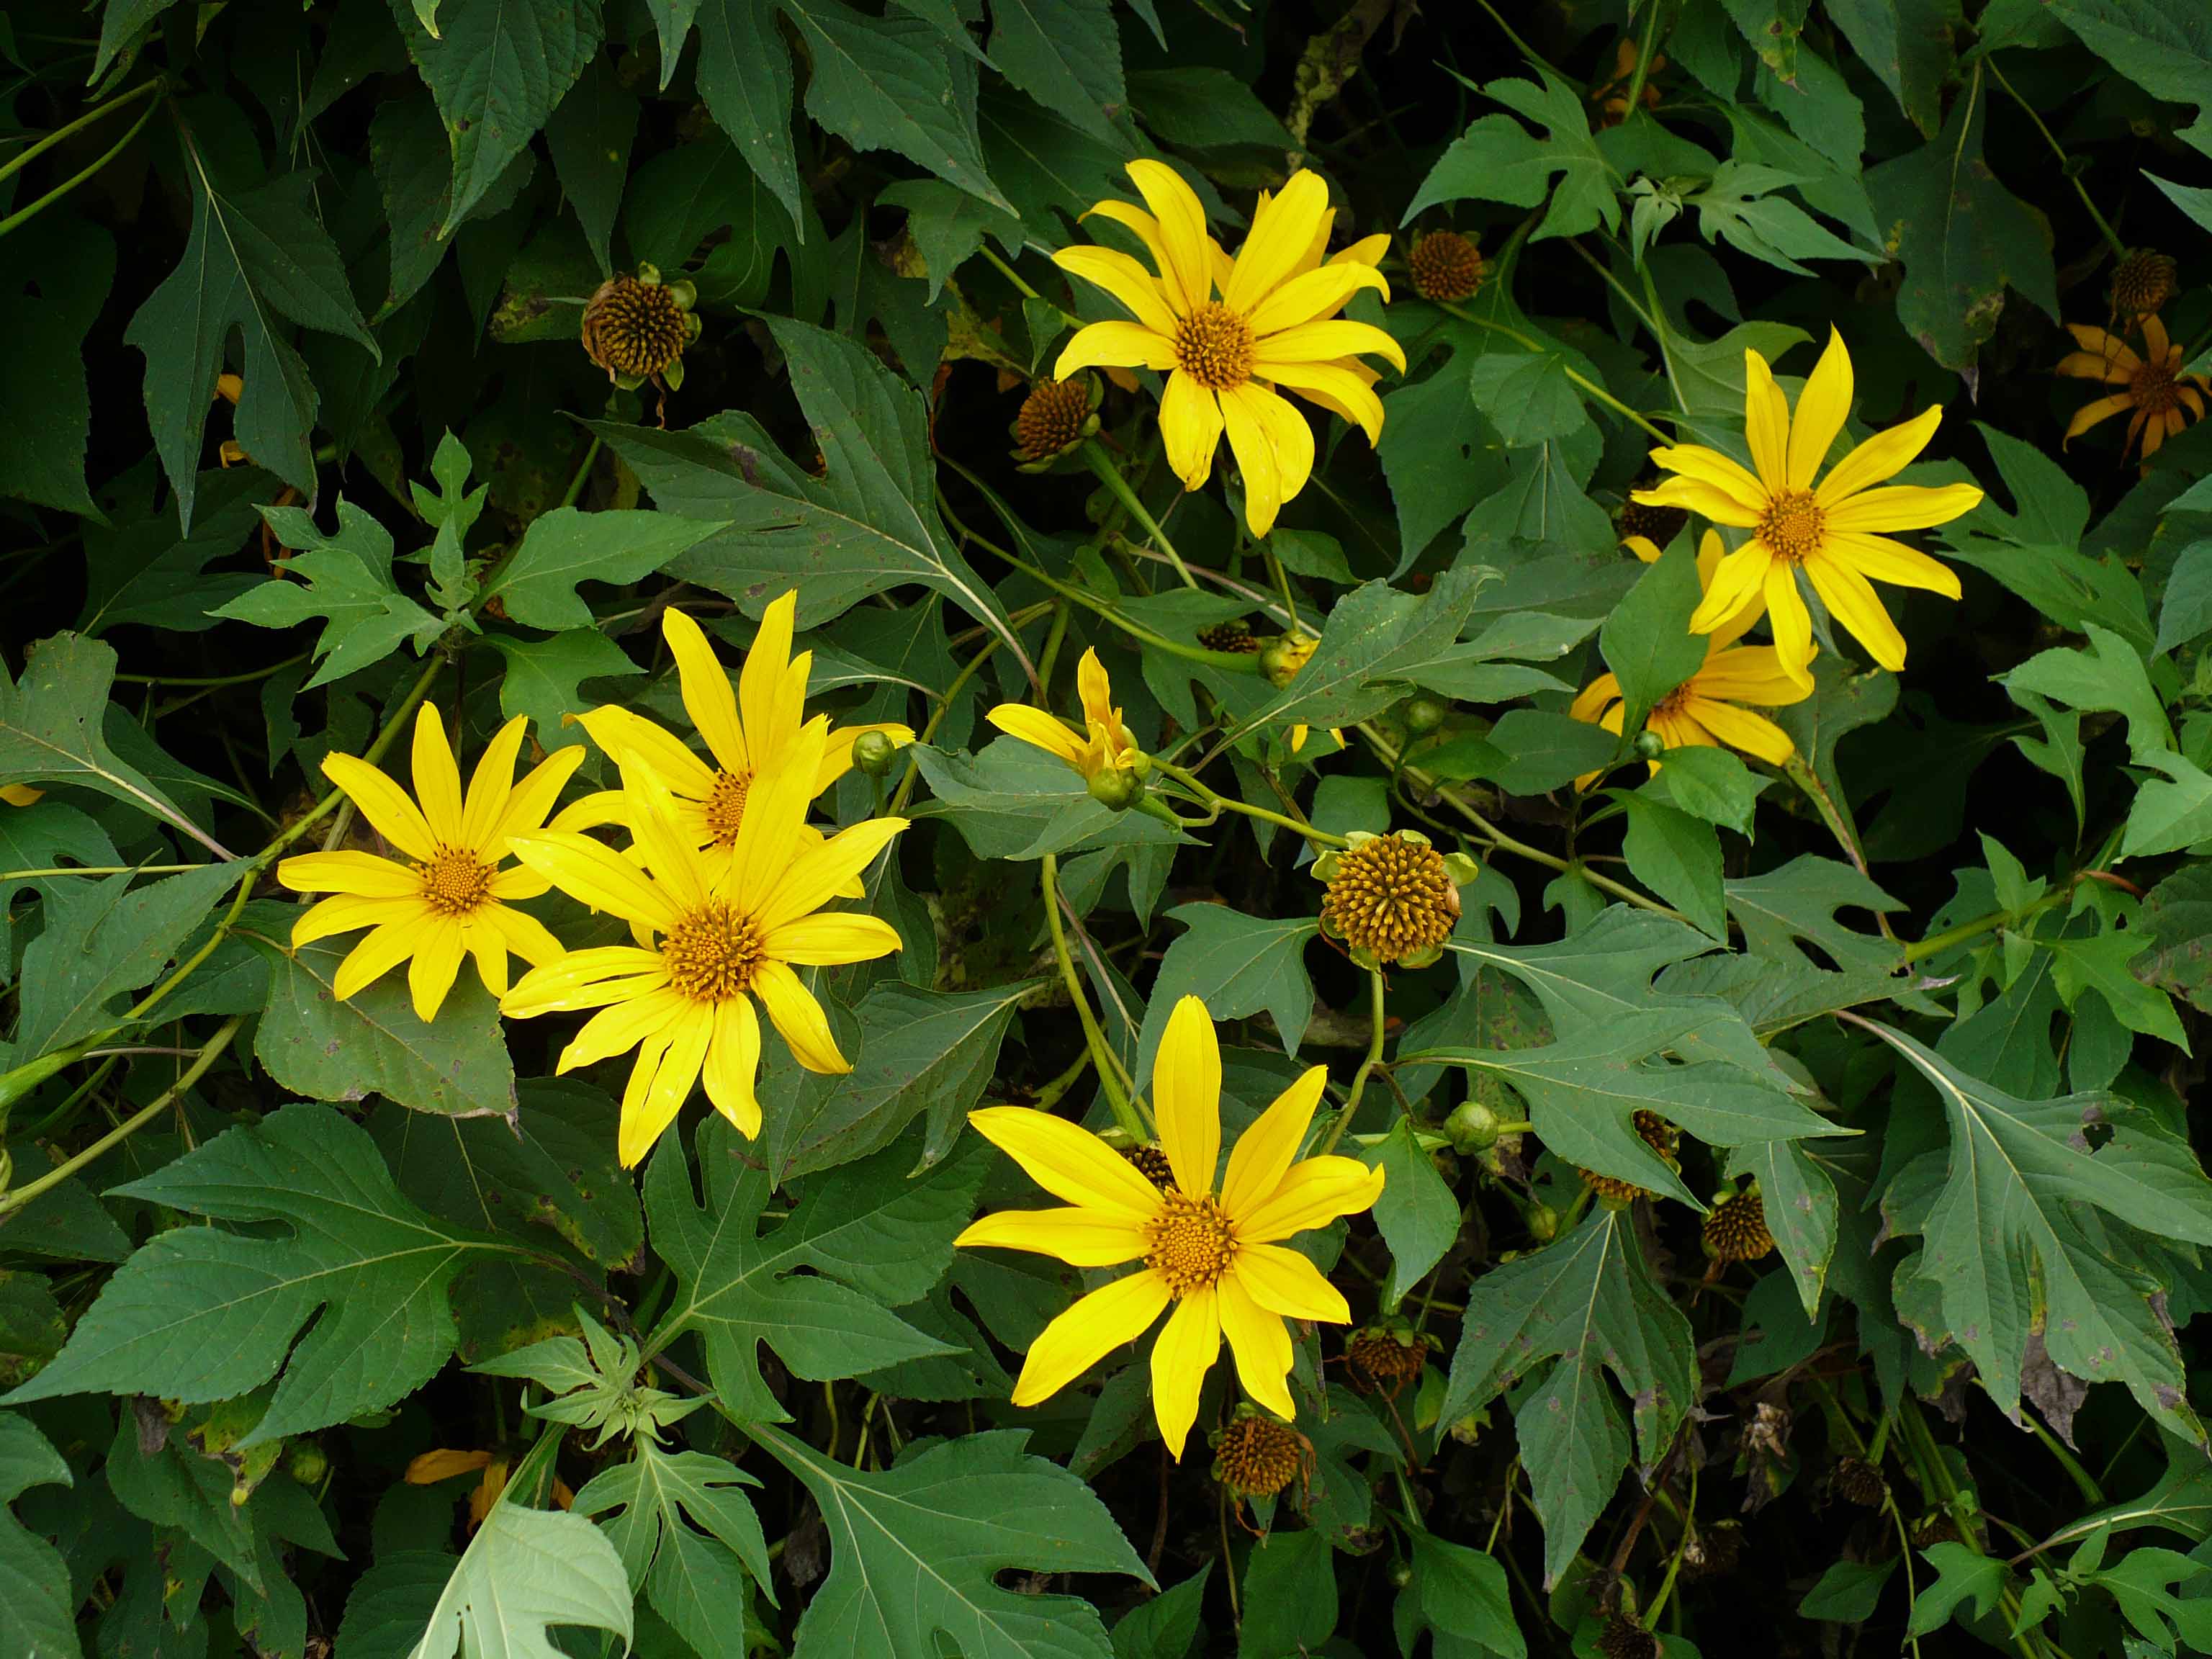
<point x="1391" y="897"/>
<point x="1660" y="524"/>
<point x="2143" y="282"/>
<point x="1716" y="1552"/>
<point x="1383" y="1360"/>
<point x="1624" y="1638"/>
<point x="635" y="329"/>
<point x="1256" y="1456"/>
<point x="1445" y="266"/>
<point x="1735" y="1229"/>
<point x="1232" y="636"/>
<point x="1855" y="1480"/>
<point x="1661" y="1136"/>
<point x="1053" y="418"/>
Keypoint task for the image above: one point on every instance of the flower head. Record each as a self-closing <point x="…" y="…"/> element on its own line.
<point x="1736" y="1227"/>
<point x="1055" y="418"/>
<point x="1104" y="746"/>
<point x="1661" y="1136"/>
<point x="1214" y="1254"/>
<point x="1391" y="898"/>
<point x="2151" y="384"/>
<point x="1256" y="1456"/>
<point x="449" y="898"/>
<point x="1703" y="710"/>
<point x="1829" y="530"/>
<point x="748" y="735"/>
<point x="2143" y="282"/>
<point x="1385" y="1358"/>
<point x="1444" y="265"/>
<point x="1229" y="333"/>
<point x="636" y="327"/>
<point x="714" y="936"/>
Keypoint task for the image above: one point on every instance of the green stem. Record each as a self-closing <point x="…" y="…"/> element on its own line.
<point x="1375" y="1000"/>
<point x="121" y="99"/>
<point x="18" y="1197"/>
<point x="1095" y="455"/>
<point x="2091" y="1492"/>
<point x="1220" y="803"/>
<point x="1589" y="387"/>
<point x="1009" y="273"/>
<point x="1053" y="639"/>
<point x="936" y="719"/>
<point x="216" y="680"/>
<point x="1936" y="944"/>
<point x="2065" y="163"/>
<point x="22" y="215"/>
<point x="1674" y="1564"/>
<point x="100" y="870"/>
<point x="1101" y="1052"/>
<point x="1831" y="814"/>
<point x="582" y="475"/>
<point x="1642" y="62"/>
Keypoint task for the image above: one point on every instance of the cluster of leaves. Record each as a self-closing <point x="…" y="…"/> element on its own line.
<point x="325" y="1329"/>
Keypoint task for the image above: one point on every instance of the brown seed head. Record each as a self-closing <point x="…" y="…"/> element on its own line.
<point x="1052" y="417"/>
<point x="1232" y="636"/>
<point x="1855" y="1480"/>
<point x="1445" y="266"/>
<point x="1151" y="1164"/>
<point x="1736" y="1230"/>
<point x="633" y="328"/>
<point x="1384" y="1360"/>
<point x="1661" y="524"/>
<point x="1661" y="1136"/>
<point x="1624" y="1638"/>
<point x="1257" y="1456"/>
<point x="1716" y="1552"/>
<point x="2143" y="282"/>
<point x="1391" y="898"/>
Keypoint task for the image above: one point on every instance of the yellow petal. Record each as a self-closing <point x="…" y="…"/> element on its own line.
<point x="1905" y="507"/>
<point x="1188" y="277"/>
<point x="1039" y="730"/>
<point x="1266" y="1149"/>
<point x="1708" y="467"/>
<point x="349" y="911"/>
<point x="832" y="938"/>
<point x="1734" y="584"/>
<point x="1312" y="1194"/>
<point x="733" y="1065"/>
<point x="491" y="783"/>
<point x="384" y="803"/>
<point x="817" y="875"/>
<point x="437" y="779"/>
<point x="1070" y="1163"/>
<point x="1857" y="610"/>
<point x="1286" y="437"/>
<point x="1190" y="428"/>
<point x="347" y="871"/>
<point x="432" y="1467"/>
<point x="1146" y="229"/>
<point x="1283" y="1282"/>
<point x="1879" y="559"/>
<point x="1877" y="458"/>
<point x="596" y="876"/>
<point x="775" y="815"/>
<point x="1595" y="698"/>
<point x="2088" y="366"/>
<point x="1078" y="1237"/>
<point x="1189" y="1344"/>
<point x="531" y="800"/>
<point x="1324" y="342"/>
<point x="1694" y="496"/>
<point x="772" y="686"/>
<point x="707" y="694"/>
<point x="670" y="853"/>
<point x="1114" y="345"/>
<point x="1711" y="552"/>
<point x="618" y="1029"/>
<point x="1754" y="734"/>
<point x="1097" y="1325"/>
<point x="585" y="979"/>
<point x="382" y="950"/>
<point x="1315" y="294"/>
<point x="1791" y="623"/>
<point x="437" y="962"/>
<point x="1750" y="674"/>
<point x="1336" y="389"/>
<point x="1822" y="408"/>
<point x="1123" y="278"/>
<point x="1281" y="232"/>
<point x="526" y="936"/>
<point x="1260" y="1344"/>
<point x="644" y="1115"/>
<point x="1187" y="1096"/>
<point x="1765" y="423"/>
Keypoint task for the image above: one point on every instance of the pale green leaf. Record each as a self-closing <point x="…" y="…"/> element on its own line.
<point x="524" y="1571"/>
<point x="346" y="581"/>
<point x="1242" y="965"/>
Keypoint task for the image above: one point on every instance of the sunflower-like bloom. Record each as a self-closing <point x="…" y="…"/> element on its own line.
<point x="1104" y="746"/>
<point x="715" y="934"/>
<point x="1215" y="1255"/>
<point x="1229" y="333"/>
<point x="748" y="734"/>
<point x="1704" y="709"/>
<point x="2151" y="384"/>
<point x="450" y="898"/>
<point x="1830" y="530"/>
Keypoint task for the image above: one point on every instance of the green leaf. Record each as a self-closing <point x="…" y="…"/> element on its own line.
<point x="893" y="83"/>
<point x="51" y="720"/>
<point x="1963" y="237"/>
<point x="1848" y="1592"/>
<point x="203" y="1313"/>
<point x="2108" y="674"/>
<point x="2101" y="965"/>
<point x="1647" y="641"/>
<point x="1961" y="1575"/>
<point x="1202" y="106"/>
<point x="1166" y="1626"/>
<point x="1908" y="45"/>
<point x="2185" y="613"/>
<point x="102" y="938"/>
<point x="544" y="678"/>
<point x="346" y="579"/>
<point x="1289" y="1595"/>
<point x="38" y="1608"/>
<point x="537" y="585"/>
<point x="2012" y="1248"/>
<point x="1418" y="1214"/>
<point x="1242" y="965"/>
<point x="148" y="570"/>
<point x="926" y="1053"/>
<point x="872" y="1239"/>
<point x="1710" y="783"/>
<point x="2164" y="47"/>
<point x="1804" y="899"/>
<point x="1496" y="160"/>
<point x="1677" y="857"/>
<point x="915" y="1552"/>
<point x="256" y="261"/>
<point x="1527" y="396"/>
<point x="868" y="525"/>
<point x="524" y="1571"/>
<point x="1461" y="1595"/>
<point x="1739" y="207"/>
<point x="373" y="1043"/>
<point x="2177" y="915"/>
<point x="1802" y="1212"/>
<point x="744" y="75"/>
<point x="1539" y="751"/>
<point x="590" y="135"/>
<point x="1438" y="453"/>
<point x="497" y="69"/>
<point x="1014" y="801"/>
<point x="1065" y="54"/>
<point x="1589" y="1300"/>
<point x="2170" y="811"/>
<point x="55" y="274"/>
<point x="1376" y="642"/>
<point x="684" y="1529"/>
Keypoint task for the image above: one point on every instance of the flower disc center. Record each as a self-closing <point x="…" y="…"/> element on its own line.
<point x="712" y="953"/>
<point x="1214" y="346"/>
<point x="2153" y="390"/>
<point x="456" y="882"/>
<point x="1793" y="525"/>
<point x="1189" y="1243"/>
<point x="725" y="806"/>
<point x="1392" y="897"/>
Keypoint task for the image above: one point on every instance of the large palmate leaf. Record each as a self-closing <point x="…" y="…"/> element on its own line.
<point x="203" y="1313"/>
<point x="1499" y="160"/>
<point x="147" y="569"/>
<point x="868" y="524"/>
<point x="916" y="1549"/>
<point x="687" y="1534"/>
<point x="537" y="583"/>
<point x="1374" y="646"/>
<point x="1241" y="964"/>
<point x="1590" y="1300"/>
<point x="524" y="1571"/>
<point x="2012" y="1248"/>
<point x="345" y="580"/>
<point x="819" y="1287"/>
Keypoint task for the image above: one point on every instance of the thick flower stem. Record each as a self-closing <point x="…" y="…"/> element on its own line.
<point x="1832" y="813"/>
<point x="1110" y="475"/>
<point x="1101" y="1053"/>
<point x="1218" y="804"/>
<point x="1376" y="1028"/>
<point x="208" y="1051"/>
<point x="24" y="213"/>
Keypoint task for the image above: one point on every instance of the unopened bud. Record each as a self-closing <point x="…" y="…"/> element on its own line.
<point x="1473" y="1127"/>
<point x="1115" y="790"/>
<point x="874" y="753"/>
<point x="1423" y="715"/>
<point x="1649" y="744"/>
<point x="306" y="1463"/>
<point x="1543" y="1222"/>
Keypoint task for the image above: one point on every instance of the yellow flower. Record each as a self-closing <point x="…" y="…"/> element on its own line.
<point x="1829" y="531"/>
<point x="20" y="795"/>
<point x="450" y="897"/>
<point x="713" y="935"/>
<point x="1280" y="662"/>
<point x="1272" y="324"/>
<point x="1105" y="744"/>
<point x="747" y="734"/>
<point x="1703" y="710"/>
<point x="1215" y="1256"/>
<point x="2151" y="384"/>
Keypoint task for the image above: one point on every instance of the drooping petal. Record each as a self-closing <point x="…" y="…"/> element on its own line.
<point x="1721" y="472"/>
<point x="1078" y="1237"/>
<point x="1183" y="241"/>
<point x="2106" y="348"/>
<point x="1038" y="729"/>
<point x="1880" y="457"/>
<point x="1259" y="1345"/>
<point x="1765" y="423"/>
<point x="641" y="1125"/>
<point x="348" y="872"/>
<point x="437" y="962"/>
<point x="1858" y="610"/>
<point x="491" y="783"/>
<point x="1312" y="1193"/>
<point x="688" y="1036"/>
<point x="1068" y="1161"/>
<point x="831" y="939"/>
<point x="818" y="875"/>
<point x="437" y="778"/>
<point x="618" y="1029"/>
<point x="1791" y="623"/>
<point x="1822" y="408"/>
<point x="799" y="1019"/>
<point x="1282" y="229"/>
<point x="1283" y="1281"/>
<point x="597" y="876"/>
<point x="1336" y="389"/>
<point x="1255" y="459"/>
<point x="1738" y="728"/>
<point x="1905" y="507"/>
<point x="1189" y="1344"/>
<point x="1267" y="1148"/>
<point x="1097" y="1325"/>
<point x="1315" y="294"/>
<point x="733" y="1064"/>
<point x="1287" y="434"/>
<point x="1879" y="559"/>
<point x="1748" y="673"/>
<point x="1190" y="428"/>
<point x="348" y="912"/>
<point x="1187" y="1096"/>
<point x="1114" y="345"/>
<point x="1736" y="584"/>
<point x="380" y="950"/>
<point x="384" y="803"/>
<point x="1325" y="342"/>
<point x="1124" y="279"/>
<point x="771" y="697"/>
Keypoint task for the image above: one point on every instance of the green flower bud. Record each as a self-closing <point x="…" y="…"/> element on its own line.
<point x="874" y="753"/>
<point x="1401" y="1574"/>
<point x="1543" y="1222"/>
<point x="1423" y="715"/>
<point x="306" y="1462"/>
<point x="1649" y="744"/>
<point x="1116" y="791"/>
<point x="1473" y="1127"/>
